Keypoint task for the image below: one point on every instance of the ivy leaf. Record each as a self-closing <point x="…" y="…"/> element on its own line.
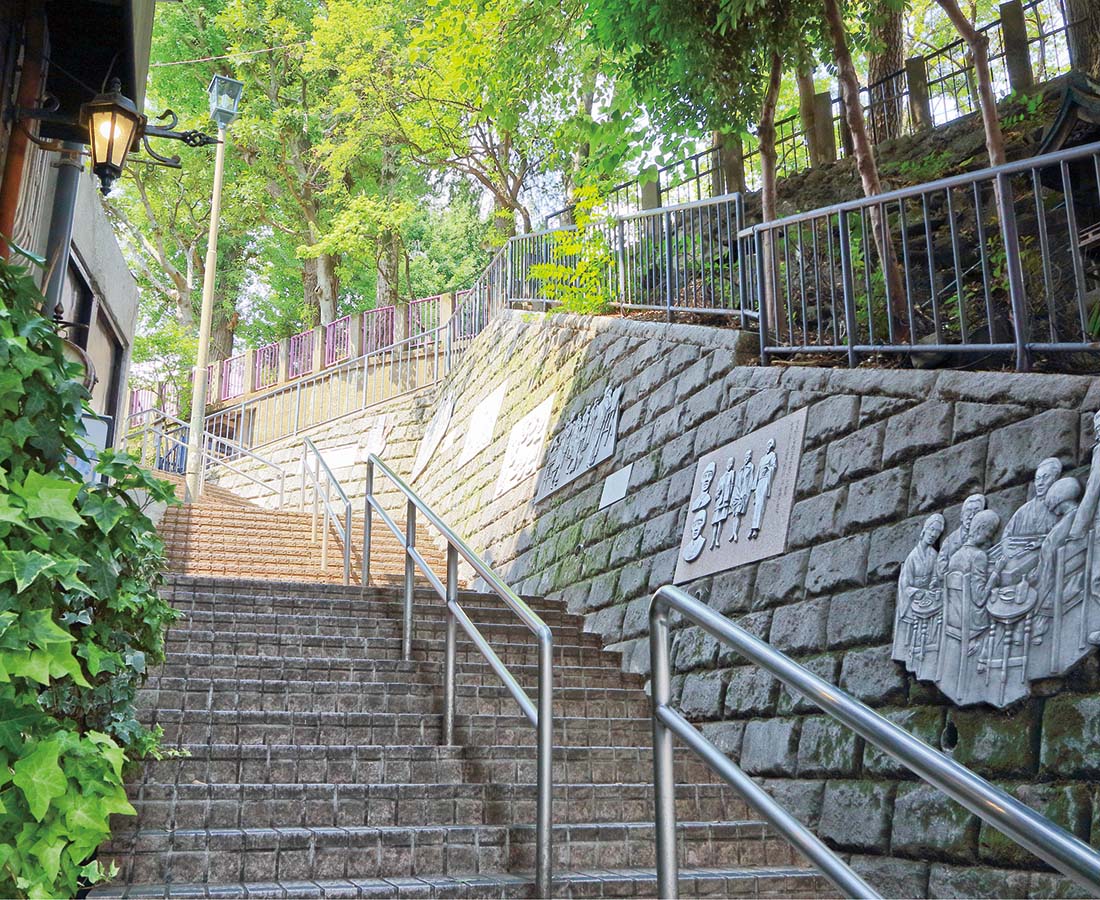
<point x="12" y="729"/>
<point x="40" y="778"/>
<point x="32" y="664"/>
<point x="50" y="497"/>
<point x="24" y="566"/>
<point x="104" y="511"/>
<point x="110" y="750"/>
<point x="47" y="850"/>
<point x="42" y="630"/>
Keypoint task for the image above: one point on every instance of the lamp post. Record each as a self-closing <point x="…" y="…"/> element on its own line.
<point x="225" y="98"/>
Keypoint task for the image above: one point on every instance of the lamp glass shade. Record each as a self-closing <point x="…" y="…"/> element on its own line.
<point x="225" y="99"/>
<point x="114" y="125"/>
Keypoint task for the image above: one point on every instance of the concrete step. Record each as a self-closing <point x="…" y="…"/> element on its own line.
<point x="429" y="623"/>
<point x="345" y="668"/>
<point x="239" y="726"/>
<point x="269" y="805"/>
<point x="396" y="764"/>
<point x="252" y="854"/>
<point x="422" y="696"/>
<point x="756" y="882"/>
<point x="188" y="641"/>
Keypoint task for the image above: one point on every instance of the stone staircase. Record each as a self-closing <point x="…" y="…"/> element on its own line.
<point x="307" y="761"/>
<point x="224" y="535"/>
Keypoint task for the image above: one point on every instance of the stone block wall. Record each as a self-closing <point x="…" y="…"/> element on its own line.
<point x="883" y="449"/>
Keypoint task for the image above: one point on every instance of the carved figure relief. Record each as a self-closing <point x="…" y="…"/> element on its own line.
<point x="714" y="535"/>
<point x="984" y="615"/>
<point x="582" y="443"/>
<point x="525" y="446"/>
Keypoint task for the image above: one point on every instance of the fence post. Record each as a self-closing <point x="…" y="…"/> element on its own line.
<point x="620" y="259"/>
<point x="920" y="105"/>
<point x="1006" y="210"/>
<point x="848" y="287"/>
<point x="410" y="573"/>
<point x="214" y="384"/>
<point x="250" y="372"/>
<point x="318" y="348"/>
<point x="670" y="263"/>
<point x="823" y="126"/>
<point x="651" y="188"/>
<point x="1014" y="38"/>
<point x="355" y="336"/>
<point x="284" y="361"/>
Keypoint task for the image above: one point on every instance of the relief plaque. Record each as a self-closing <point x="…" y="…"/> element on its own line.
<point x="741" y="500"/>
<point x="984" y="610"/>
<point x="433" y="436"/>
<point x="525" y="444"/>
<point x="586" y="441"/>
<point x="479" y="430"/>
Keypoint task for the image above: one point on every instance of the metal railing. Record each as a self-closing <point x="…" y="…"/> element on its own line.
<point x="265" y="372"/>
<point x="337" y="340"/>
<point x="340" y="390"/>
<point x="1066" y="853"/>
<point x="159" y="442"/>
<point x="378" y="328"/>
<point x="299" y="356"/>
<point x="234" y="377"/>
<point x="676" y="259"/>
<point x="997" y="261"/>
<point x="317" y="475"/>
<point x="540" y="713"/>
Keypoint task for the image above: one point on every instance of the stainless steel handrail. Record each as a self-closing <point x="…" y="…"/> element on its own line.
<point x="1063" y="851"/>
<point x="540" y="715"/>
<point x="320" y="475"/>
<point x="210" y="459"/>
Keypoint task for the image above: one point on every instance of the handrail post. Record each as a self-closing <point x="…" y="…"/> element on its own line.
<point x="367" y="517"/>
<point x="410" y="571"/>
<point x="1006" y="211"/>
<point x="847" y="286"/>
<point x="347" y="543"/>
<point x="449" y="659"/>
<point x="664" y="783"/>
<point x="545" y="727"/>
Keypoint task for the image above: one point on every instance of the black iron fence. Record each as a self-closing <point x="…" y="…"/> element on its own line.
<point x="1028" y="45"/>
<point x="1002" y="263"/>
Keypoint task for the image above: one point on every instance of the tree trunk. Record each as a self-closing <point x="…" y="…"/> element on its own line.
<point x="867" y="168"/>
<point x="504" y="220"/>
<point x="808" y="116"/>
<point x="888" y="58"/>
<point x="321" y="287"/>
<point x="979" y="51"/>
<point x="765" y="132"/>
<point x="730" y="174"/>
<point x="1084" y="35"/>
<point x="221" y="331"/>
<point x="387" y="291"/>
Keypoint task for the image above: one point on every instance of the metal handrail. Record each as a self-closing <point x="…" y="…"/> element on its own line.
<point x="540" y="715"/>
<point x="321" y="476"/>
<point x="1055" y="846"/>
<point x="209" y="458"/>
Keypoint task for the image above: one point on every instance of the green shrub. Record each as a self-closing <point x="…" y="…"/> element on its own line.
<point x="580" y="276"/>
<point x="80" y="617"/>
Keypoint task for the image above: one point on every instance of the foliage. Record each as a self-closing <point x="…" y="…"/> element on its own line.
<point x="80" y="617"/>
<point x="579" y="278"/>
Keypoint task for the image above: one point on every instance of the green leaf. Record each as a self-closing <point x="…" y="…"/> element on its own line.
<point x="12" y="728"/>
<point x="104" y="511"/>
<point x="40" y="778"/>
<point x="42" y="630"/>
<point x="50" y="497"/>
<point x="24" y="566"/>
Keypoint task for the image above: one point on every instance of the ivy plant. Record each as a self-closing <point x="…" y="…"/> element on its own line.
<point x="80" y="615"/>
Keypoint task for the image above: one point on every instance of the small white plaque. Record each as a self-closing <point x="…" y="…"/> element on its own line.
<point x="525" y="443"/>
<point x="433" y="436"/>
<point x="479" y="430"/>
<point x="615" y="485"/>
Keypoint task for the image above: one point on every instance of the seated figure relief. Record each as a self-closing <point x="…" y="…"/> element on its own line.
<point x="986" y="611"/>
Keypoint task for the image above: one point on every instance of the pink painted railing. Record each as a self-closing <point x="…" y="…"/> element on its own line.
<point x="423" y="319"/>
<point x="299" y="355"/>
<point x="265" y="371"/>
<point x="233" y="377"/>
<point x="143" y="399"/>
<point x="337" y="340"/>
<point x="378" y="328"/>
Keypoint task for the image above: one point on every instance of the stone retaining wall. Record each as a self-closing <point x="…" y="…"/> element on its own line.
<point x="882" y="450"/>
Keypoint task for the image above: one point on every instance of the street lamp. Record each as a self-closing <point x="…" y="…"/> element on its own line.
<point x="114" y="127"/>
<point x="225" y="99"/>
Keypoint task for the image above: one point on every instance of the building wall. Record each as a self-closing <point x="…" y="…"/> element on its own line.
<point x="883" y="449"/>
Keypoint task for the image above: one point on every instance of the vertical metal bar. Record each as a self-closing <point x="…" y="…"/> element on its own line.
<point x="1079" y="288"/>
<point x="347" y="544"/>
<point x="670" y="264"/>
<point x="1016" y="291"/>
<point x="367" y="521"/>
<point x="410" y="570"/>
<point x="664" y="784"/>
<point x="544" y="811"/>
<point x="449" y="659"/>
<point x="761" y="294"/>
<point x="846" y="285"/>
